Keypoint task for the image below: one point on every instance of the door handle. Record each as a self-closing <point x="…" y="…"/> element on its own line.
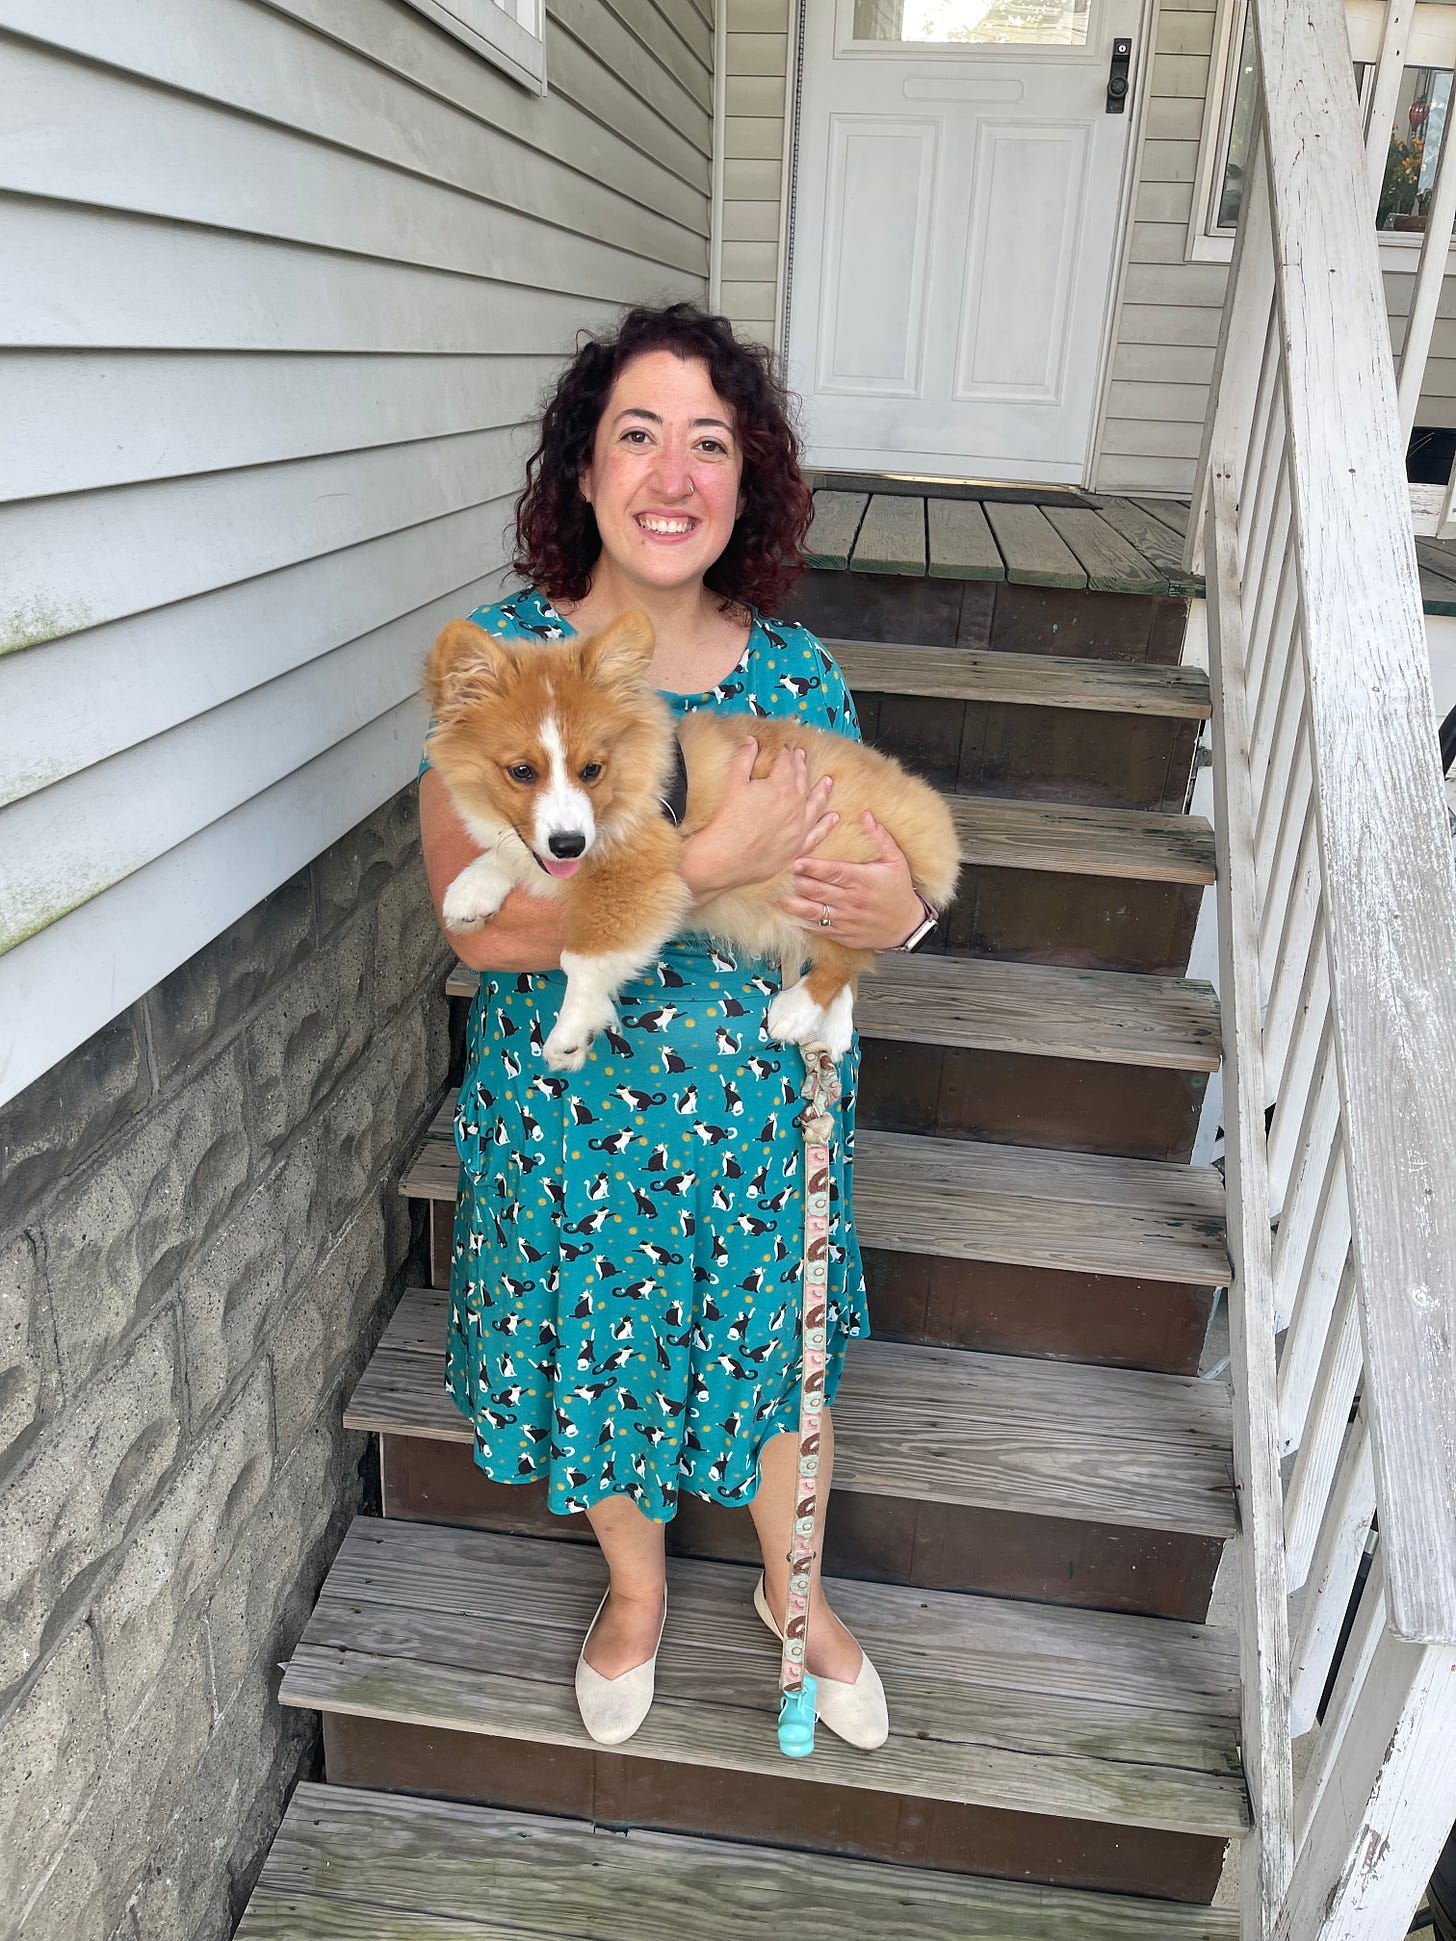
<point x="1117" y="82"/>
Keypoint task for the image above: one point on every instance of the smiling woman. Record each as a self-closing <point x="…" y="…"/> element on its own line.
<point x="625" y="1287"/>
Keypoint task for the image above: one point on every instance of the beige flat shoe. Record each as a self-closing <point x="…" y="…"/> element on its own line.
<point x="613" y="1708"/>
<point x="856" y="1712"/>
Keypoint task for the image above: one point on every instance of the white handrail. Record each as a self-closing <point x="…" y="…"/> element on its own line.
<point x="1337" y="910"/>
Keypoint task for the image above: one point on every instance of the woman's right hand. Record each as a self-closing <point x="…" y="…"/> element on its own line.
<point x="762" y="826"/>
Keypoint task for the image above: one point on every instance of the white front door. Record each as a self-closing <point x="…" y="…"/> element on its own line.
<point x="956" y="212"/>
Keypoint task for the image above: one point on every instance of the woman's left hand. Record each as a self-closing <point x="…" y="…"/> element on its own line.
<point x="871" y="906"/>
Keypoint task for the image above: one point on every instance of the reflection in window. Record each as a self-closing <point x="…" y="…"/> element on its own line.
<point x="1415" y="148"/>
<point x="1241" y="127"/>
<point x="1415" y="139"/>
<point x="950" y="23"/>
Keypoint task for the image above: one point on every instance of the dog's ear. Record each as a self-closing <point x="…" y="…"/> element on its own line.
<point x="466" y="665"/>
<point x="622" y="653"/>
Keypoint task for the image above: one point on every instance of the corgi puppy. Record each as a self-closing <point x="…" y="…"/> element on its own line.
<point x="559" y="757"/>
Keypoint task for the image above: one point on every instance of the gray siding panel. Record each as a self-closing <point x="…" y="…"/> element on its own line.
<point x="296" y="274"/>
<point x="753" y="144"/>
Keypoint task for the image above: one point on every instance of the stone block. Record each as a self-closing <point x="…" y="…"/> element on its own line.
<point x="53" y="1746"/>
<point x="30" y="1381"/>
<point x="356" y="869"/>
<point x="194" y="1009"/>
<point x="411" y="955"/>
<point x="117" y="1241"/>
<point x="190" y="1889"/>
<point x="308" y="1032"/>
<point x="367" y="1123"/>
<point x="177" y="1555"/>
<point x="257" y="1613"/>
<point x="56" y="1124"/>
<point x="74" y="1902"/>
<point x="277" y="1236"/>
<point x="70" y="1508"/>
<point x="136" y="1796"/>
<point x="324" y="1333"/>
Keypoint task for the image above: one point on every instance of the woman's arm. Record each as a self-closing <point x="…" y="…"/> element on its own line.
<point x="525" y="934"/>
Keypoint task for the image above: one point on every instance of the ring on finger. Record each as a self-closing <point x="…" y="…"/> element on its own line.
<point x="825" y="920"/>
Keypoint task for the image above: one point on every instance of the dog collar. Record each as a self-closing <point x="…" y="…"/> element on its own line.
<point x="675" y="800"/>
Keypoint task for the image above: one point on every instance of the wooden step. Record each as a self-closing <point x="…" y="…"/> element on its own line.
<point x="1068" y="839"/>
<point x="1021" y="1735"/>
<point x="393" y="1868"/>
<point x="972" y="1200"/>
<point x="1033" y="1009"/>
<point x="1081" y="1212"/>
<point x="1038" y="1438"/>
<point x="1069" y="883"/>
<point x="968" y="1200"/>
<point x="1012" y="1249"/>
<point x="1072" y="839"/>
<point x="982" y="1048"/>
<point x="1099" y="1487"/>
<point x="1024" y="680"/>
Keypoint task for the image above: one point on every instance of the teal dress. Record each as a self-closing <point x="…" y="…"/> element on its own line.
<point x="624" y="1282"/>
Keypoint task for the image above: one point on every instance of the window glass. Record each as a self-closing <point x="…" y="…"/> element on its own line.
<point x="1241" y="124"/>
<point x="1415" y="148"/>
<point x="1415" y="140"/>
<point x="953" y="23"/>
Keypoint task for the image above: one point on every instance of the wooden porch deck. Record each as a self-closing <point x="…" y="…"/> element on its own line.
<point x="1059" y="538"/>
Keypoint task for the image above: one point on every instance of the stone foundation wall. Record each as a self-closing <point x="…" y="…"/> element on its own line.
<point x="200" y="1241"/>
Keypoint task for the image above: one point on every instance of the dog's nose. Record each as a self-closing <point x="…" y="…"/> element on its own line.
<point x="571" y="843"/>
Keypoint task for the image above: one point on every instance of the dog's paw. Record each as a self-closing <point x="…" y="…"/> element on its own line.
<point x="565" y="1051"/>
<point x="795" y="1019"/>
<point x="571" y="1037"/>
<point x="472" y="899"/>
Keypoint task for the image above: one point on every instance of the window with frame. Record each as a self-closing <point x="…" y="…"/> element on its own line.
<point x="511" y="34"/>
<point x="1417" y="130"/>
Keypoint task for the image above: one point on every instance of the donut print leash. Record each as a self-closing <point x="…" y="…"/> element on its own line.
<point x="821" y="1091"/>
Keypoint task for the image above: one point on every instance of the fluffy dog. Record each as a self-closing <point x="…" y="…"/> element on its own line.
<point x="558" y="757"/>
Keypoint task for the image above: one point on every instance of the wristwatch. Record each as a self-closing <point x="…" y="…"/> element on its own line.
<point x="922" y="930"/>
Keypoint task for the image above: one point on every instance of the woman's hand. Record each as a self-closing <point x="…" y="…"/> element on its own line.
<point x="871" y="906"/>
<point x="761" y="827"/>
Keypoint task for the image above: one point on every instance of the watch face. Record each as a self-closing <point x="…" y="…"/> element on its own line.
<point x="917" y="937"/>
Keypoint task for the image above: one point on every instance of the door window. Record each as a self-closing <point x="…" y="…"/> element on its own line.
<point x="957" y="24"/>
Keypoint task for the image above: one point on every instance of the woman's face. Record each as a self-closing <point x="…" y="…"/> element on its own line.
<point x="665" y="471"/>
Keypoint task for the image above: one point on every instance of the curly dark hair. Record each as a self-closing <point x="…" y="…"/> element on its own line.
<point x="557" y="541"/>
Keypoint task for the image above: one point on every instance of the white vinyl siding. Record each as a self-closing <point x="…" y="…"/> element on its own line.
<point x="757" y="62"/>
<point x="285" y="282"/>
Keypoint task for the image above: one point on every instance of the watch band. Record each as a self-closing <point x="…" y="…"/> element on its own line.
<point x="922" y="930"/>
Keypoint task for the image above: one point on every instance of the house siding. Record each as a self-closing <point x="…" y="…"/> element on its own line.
<point x="757" y="65"/>
<point x="289" y="278"/>
<point x="1165" y="327"/>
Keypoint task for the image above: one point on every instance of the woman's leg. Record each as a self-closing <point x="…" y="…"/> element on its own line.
<point x="627" y="1631"/>
<point x="833" y="1652"/>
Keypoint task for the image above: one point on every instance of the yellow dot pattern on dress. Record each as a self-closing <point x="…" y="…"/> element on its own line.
<point x="624" y="1283"/>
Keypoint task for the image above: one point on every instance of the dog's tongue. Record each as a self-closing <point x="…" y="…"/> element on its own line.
<point x="560" y="865"/>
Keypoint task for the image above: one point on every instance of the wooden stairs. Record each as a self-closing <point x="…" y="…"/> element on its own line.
<point x="1032" y="1490"/>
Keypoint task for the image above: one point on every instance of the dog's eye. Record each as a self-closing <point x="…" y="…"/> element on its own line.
<point x="522" y="772"/>
<point x="590" y="772"/>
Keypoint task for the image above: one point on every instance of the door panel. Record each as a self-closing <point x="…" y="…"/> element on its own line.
<point x="1026" y="216"/>
<point x="878" y="171"/>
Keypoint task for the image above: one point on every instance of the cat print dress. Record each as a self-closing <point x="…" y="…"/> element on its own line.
<point x="624" y="1285"/>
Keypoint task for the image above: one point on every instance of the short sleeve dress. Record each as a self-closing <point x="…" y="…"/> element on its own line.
<point x="625" y="1274"/>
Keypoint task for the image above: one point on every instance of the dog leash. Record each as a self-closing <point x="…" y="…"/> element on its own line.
<point x="821" y="1090"/>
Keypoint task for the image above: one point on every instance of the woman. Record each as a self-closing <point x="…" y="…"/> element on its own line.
<point x="624" y="1288"/>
